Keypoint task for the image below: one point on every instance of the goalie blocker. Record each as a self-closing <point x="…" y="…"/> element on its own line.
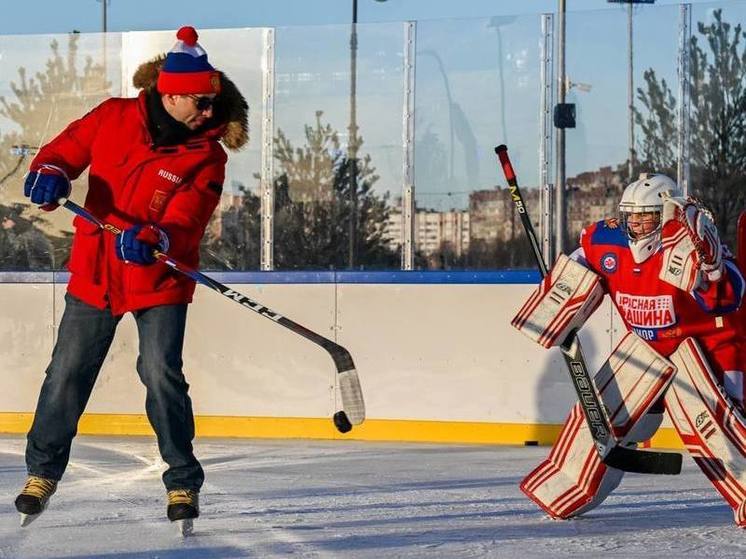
<point x="561" y="304"/>
<point x="572" y="479"/>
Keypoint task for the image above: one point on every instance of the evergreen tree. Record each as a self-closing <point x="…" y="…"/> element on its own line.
<point x="314" y="204"/>
<point x="313" y="208"/>
<point x="233" y="242"/>
<point x="42" y="106"/>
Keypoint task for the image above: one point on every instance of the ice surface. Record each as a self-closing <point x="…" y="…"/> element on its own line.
<point x="351" y="499"/>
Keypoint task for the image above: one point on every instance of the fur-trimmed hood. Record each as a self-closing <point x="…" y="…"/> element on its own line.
<point x="233" y="115"/>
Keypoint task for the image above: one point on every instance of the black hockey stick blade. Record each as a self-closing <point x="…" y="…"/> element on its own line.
<point x="644" y="461"/>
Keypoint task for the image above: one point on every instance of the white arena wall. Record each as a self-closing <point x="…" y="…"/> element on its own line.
<point x="437" y="362"/>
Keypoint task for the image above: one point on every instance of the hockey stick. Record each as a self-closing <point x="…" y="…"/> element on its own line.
<point x="353" y="406"/>
<point x="611" y="454"/>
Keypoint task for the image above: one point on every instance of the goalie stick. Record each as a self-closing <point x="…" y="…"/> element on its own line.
<point x="353" y="406"/>
<point x="611" y="454"/>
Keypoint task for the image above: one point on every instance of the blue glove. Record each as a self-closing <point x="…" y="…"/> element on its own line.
<point x="136" y="244"/>
<point x="46" y="185"/>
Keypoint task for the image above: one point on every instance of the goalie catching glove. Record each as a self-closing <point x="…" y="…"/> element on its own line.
<point x="561" y="303"/>
<point x="693" y="252"/>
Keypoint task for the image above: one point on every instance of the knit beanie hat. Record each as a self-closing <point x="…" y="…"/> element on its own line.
<point x="186" y="69"/>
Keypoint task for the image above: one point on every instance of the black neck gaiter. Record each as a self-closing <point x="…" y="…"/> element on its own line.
<point x="164" y="129"/>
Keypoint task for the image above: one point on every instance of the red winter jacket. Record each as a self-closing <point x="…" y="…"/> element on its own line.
<point x="174" y="187"/>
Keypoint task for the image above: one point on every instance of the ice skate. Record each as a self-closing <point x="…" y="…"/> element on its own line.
<point x="34" y="498"/>
<point x="183" y="508"/>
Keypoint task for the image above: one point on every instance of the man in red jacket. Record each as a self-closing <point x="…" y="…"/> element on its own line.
<point x="156" y="171"/>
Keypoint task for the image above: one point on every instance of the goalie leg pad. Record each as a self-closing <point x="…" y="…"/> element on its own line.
<point x="710" y="426"/>
<point x="561" y="303"/>
<point x="633" y="378"/>
<point x="573" y="480"/>
<point x="646" y="427"/>
<point x="733" y="383"/>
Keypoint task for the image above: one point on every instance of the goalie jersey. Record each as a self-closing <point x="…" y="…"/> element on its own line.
<point x="660" y="313"/>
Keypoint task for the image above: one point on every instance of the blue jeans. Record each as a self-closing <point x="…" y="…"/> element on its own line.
<point x="85" y="335"/>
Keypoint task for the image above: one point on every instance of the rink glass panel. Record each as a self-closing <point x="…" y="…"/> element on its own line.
<point x="314" y="149"/>
<point x="477" y="85"/>
<point x="231" y="241"/>
<point x="46" y="82"/>
<point x="598" y="148"/>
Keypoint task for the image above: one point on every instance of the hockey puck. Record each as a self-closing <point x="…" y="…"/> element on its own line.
<point x="341" y="422"/>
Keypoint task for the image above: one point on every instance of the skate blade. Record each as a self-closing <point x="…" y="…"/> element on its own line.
<point x="186" y="526"/>
<point x="27" y="519"/>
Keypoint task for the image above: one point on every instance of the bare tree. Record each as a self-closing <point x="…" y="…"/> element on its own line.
<point x="718" y="120"/>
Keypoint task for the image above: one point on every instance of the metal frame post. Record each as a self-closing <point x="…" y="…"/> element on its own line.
<point x="630" y="91"/>
<point x="683" y="114"/>
<point x="545" y="134"/>
<point x="408" y="196"/>
<point x="560" y="197"/>
<point x="267" y="154"/>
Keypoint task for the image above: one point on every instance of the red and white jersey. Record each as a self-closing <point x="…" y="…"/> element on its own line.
<point x="660" y="313"/>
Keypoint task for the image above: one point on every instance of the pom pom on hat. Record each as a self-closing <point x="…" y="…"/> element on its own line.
<point x="186" y="69"/>
<point x="188" y="35"/>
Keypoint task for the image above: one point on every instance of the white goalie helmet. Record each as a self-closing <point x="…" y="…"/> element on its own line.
<point x="645" y="195"/>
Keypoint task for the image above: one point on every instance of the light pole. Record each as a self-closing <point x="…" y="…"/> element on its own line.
<point x="496" y="23"/>
<point x="449" y="98"/>
<point x="630" y="92"/>
<point x="352" y="141"/>
<point x="104" y="28"/>
<point x="104" y="4"/>
<point x="561" y="199"/>
<point x="630" y="82"/>
<point x="352" y="145"/>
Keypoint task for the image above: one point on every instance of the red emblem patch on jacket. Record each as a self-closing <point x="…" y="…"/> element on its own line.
<point x="158" y="201"/>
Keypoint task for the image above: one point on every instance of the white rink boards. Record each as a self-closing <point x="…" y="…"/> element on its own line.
<point x="439" y="358"/>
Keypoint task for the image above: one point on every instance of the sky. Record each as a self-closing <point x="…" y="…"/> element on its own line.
<point x="136" y="15"/>
<point x="477" y="73"/>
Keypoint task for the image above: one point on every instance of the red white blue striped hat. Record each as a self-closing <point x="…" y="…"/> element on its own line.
<point x="186" y="69"/>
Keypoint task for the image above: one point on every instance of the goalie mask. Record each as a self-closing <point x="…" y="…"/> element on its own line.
<point x="640" y="212"/>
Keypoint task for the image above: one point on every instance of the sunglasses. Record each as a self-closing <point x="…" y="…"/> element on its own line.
<point x="202" y="103"/>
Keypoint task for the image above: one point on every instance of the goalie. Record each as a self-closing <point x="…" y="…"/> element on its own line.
<point x="678" y="292"/>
